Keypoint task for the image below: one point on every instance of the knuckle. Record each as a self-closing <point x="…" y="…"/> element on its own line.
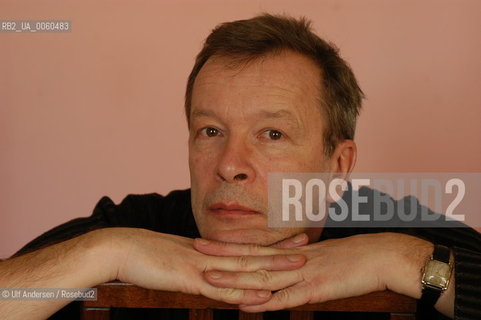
<point x="264" y="277"/>
<point x="231" y="295"/>
<point x="243" y="262"/>
<point x="254" y="249"/>
<point x="281" y="296"/>
<point x="223" y="246"/>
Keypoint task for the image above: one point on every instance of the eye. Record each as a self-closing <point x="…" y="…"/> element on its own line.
<point x="210" y="132"/>
<point x="274" y="134"/>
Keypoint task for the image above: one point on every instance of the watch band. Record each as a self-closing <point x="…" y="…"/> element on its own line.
<point x="441" y="253"/>
<point x="431" y="294"/>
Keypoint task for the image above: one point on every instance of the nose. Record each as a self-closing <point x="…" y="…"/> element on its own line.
<point x="234" y="164"/>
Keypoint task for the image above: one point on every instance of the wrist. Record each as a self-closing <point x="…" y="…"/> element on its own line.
<point x="103" y="254"/>
<point x="402" y="273"/>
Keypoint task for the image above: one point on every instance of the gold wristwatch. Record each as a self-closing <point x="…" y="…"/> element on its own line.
<point x="436" y="275"/>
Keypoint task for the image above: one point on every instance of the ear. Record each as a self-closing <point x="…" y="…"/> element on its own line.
<point x="344" y="157"/>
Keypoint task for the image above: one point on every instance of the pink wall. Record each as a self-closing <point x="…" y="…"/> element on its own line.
<point x="98" y="111"/>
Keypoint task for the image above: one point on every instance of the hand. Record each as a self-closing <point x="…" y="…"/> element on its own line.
<point x="335" y="269"/>
<point x="168" y="262"/>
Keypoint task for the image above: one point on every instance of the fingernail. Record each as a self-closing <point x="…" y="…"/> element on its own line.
<point x="294" y="258"/>
<point x="299" y="238"/>
<point x="203" y="242"/>
<point x="215" y="275"/>
<point x="263" y="294"/>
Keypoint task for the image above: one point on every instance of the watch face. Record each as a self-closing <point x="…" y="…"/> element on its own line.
<point x="436" y="273"/>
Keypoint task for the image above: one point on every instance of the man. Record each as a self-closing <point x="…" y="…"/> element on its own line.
<point x="265" y="95"/>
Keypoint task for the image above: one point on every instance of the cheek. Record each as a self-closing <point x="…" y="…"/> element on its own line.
<point x="305" y="158"/>
<point x="202" y="172"/>
<point x="291" y="164"/>
<point x="312" y="161"/>
<point x="200" y="163"/>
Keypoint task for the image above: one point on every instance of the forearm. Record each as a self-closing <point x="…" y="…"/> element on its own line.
<point x="81" y="262"/>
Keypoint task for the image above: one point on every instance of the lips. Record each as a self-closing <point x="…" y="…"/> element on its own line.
<point x="231" y="210"/>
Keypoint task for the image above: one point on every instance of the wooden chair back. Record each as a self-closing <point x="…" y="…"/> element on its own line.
<point x="123" y="295"/>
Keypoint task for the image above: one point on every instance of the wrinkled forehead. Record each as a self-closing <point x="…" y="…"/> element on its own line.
<point x="285" y="77"/>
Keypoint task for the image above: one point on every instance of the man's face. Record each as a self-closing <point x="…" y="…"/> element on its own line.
<point x="246" y="122"/>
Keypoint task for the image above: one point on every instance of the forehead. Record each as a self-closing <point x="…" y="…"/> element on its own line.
<point x="273" y="81"/>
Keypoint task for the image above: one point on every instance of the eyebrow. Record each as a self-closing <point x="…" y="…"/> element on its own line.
<point x="202" y="113"/>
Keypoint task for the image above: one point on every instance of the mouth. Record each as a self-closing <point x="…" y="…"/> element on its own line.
<point x="231" y="210"/>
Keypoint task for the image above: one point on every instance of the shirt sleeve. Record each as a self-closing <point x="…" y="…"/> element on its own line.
<point x="133" y="211"/>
